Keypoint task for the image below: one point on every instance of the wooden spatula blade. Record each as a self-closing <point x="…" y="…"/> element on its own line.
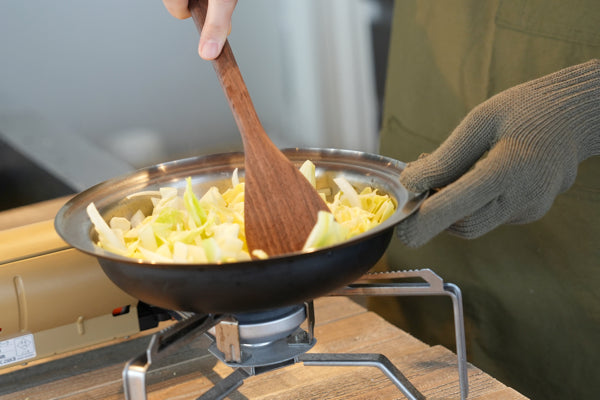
<point x="281" y="207"/>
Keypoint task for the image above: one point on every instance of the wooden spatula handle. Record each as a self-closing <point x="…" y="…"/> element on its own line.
<point x="230" y="78"/>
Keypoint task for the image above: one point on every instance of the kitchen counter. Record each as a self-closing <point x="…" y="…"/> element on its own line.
<point x="342" y="326"/>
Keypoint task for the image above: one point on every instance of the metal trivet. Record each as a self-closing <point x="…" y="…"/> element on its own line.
<point x="253" y="345"/>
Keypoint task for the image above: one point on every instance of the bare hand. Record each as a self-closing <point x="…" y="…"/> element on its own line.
<point x="216" y="27"/>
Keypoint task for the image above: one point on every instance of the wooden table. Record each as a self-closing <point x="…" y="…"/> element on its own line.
<point x="342" y="326"/>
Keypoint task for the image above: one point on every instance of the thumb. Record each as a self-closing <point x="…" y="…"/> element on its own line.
<point x="216" y="28"/>
<point x="455" y="156"/>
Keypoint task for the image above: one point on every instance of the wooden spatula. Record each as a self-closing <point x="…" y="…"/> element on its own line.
<point x="280" y="206"/>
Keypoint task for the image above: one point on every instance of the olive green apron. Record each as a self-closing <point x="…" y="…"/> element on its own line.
<point x="531" y="292"/>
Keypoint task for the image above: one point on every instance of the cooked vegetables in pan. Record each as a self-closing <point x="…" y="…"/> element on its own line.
<point x="210" y="229"/>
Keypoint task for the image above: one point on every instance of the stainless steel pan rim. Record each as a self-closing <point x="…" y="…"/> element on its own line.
<point x="73" y="225"/>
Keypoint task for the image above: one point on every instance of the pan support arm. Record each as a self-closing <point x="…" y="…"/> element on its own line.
<point x="368" y="285"/>
<point x="163" y="343"/>
<point x="378" y="284"/>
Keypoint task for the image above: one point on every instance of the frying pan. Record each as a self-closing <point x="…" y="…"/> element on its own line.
<point x="246" y="286"/>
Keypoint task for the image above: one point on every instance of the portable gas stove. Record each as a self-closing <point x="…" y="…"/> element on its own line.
<point x="259" y="342"/>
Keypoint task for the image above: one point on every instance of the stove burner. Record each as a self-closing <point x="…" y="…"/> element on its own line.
<point x="263" y="338"/>
<point x="267" y="326"/>
<point x="259" y="342"/>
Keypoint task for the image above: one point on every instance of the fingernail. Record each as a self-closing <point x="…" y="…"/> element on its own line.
<point x="209" y="50"/>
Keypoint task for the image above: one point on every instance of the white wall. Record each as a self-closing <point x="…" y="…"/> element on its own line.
<point x="115" y="70"/>
<point x="329" y="73"/>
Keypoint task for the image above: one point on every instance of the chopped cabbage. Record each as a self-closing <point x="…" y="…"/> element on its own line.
<point x="327" y="232"/>
<point x="186" y="229"/>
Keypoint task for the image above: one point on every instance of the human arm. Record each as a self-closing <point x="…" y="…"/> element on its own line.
<point x="216" y="27"/>
<point x="509" y="158"/>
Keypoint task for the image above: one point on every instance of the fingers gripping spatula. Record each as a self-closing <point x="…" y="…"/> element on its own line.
<point x="280" y="205"/>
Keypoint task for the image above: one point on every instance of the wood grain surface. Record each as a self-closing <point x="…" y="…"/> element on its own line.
<point x="342" y="326"/>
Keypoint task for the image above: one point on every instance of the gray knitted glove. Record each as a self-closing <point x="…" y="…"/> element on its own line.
<point x="509" y="158"/>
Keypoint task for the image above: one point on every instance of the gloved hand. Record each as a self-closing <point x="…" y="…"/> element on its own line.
<point x="509" y="158"/>
<point x="216" y="27"/>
